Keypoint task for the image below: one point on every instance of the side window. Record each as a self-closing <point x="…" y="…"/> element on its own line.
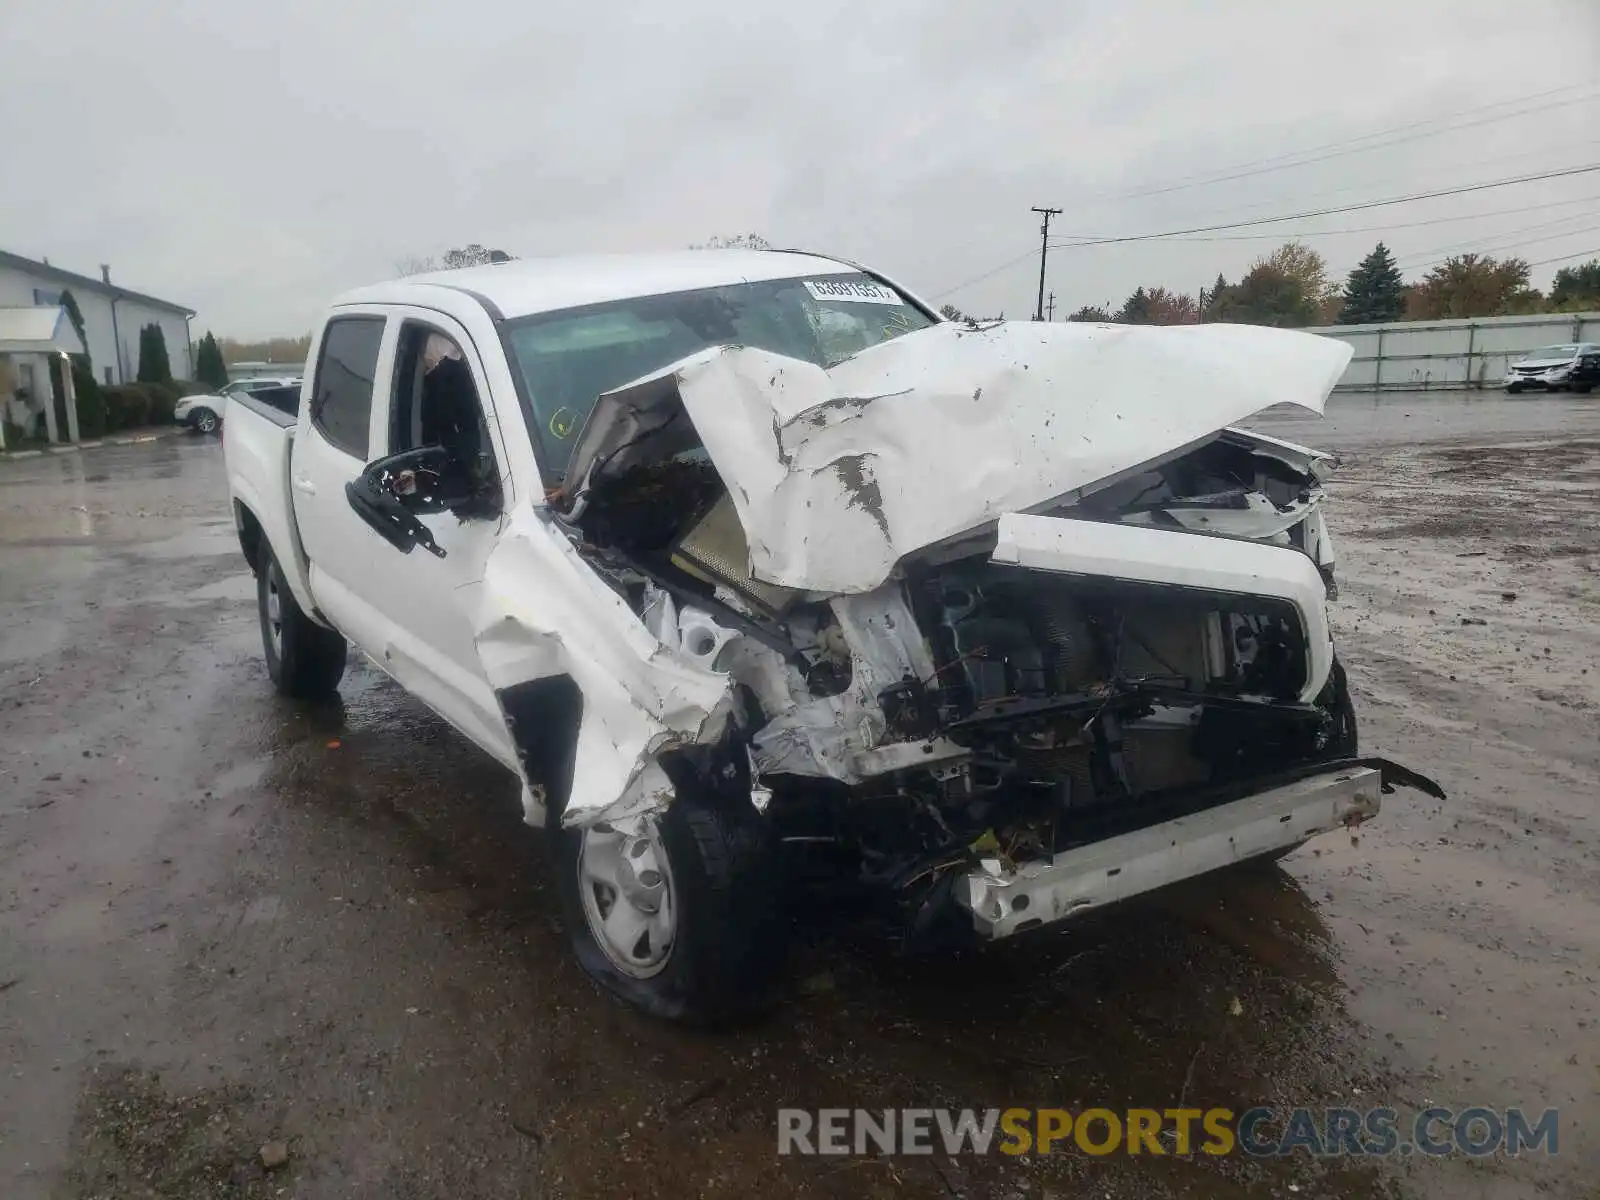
<point x="435" y="400"/>
<point x="342" y="399"/>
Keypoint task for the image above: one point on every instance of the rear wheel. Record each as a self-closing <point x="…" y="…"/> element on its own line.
<point x="305" y="660"/>
<point x="676" y="912"/>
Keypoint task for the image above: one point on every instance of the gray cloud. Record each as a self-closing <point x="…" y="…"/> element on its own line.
<point x="252" y="160"/>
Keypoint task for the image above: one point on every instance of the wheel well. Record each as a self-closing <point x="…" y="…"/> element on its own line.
<point x="543" y="717"/>
<point x="250" y="535"/>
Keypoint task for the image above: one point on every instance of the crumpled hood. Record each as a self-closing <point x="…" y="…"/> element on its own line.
<point x="837" y="474"/>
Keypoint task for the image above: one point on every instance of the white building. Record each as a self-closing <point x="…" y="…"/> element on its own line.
<point x="35" y="334"/>
<point x="112" y="315"/>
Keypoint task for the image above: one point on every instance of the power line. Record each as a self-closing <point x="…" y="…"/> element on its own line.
<point x="1492" y="241"/>
<point x="1545" y="262"/>
<point x="1269" y="166"/>
<point x="1364" y="186"/>
<point x="989" y="274"/>
<point x="1500" y="249"/>
<point x="1299" y="216"/>
<point x="1324" y="212"/>
<point x="1316" y="233"/>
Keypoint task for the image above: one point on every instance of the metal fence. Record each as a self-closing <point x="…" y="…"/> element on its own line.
<point x="1453" y="354"/>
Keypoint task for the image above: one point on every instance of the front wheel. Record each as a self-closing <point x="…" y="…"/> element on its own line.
<point x="676" y="912"/>
<point x="206" y="421"/>
<point x="305" y="660"/>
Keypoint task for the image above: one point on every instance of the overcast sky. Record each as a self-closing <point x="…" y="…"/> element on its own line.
<point x="253" y="159"/>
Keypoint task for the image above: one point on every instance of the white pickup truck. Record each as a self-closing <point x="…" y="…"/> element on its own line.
<point x="760" y="576"/>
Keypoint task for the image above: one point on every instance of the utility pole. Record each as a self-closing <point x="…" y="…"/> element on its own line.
<point x="1050" y="308"/>
<point x="1044" y="252"/>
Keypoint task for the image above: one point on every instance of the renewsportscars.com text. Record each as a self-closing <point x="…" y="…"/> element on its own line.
<point x="1261" y="1132"/>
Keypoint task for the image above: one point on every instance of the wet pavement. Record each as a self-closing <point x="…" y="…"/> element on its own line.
<point x="227" y="920"/>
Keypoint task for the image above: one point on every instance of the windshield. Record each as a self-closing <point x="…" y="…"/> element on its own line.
<point x="569" y="357"/>
<point x="1554" y="352"/>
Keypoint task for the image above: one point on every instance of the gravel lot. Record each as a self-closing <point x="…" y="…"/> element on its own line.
<point x="227" y="921"/>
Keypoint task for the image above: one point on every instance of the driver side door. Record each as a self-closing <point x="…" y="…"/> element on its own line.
<point x="422" y="600"/>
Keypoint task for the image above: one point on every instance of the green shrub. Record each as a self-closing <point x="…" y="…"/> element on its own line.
<point x="161" y="399"/>
<point x="91" y="402"/>
<point x="18" y="438"/>
<point x="127" y="406"/>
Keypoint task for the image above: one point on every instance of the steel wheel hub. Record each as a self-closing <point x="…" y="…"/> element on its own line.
<point x="274" y="613"/>
<point x="625" y="883"/>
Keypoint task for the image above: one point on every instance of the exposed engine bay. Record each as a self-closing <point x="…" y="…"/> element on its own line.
<point x="971" y="704"/>
<point x="975" y="614"/>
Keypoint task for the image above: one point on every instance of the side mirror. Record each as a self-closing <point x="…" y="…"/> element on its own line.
<point x="426" y="480"/>
<point x="390" y="493"/>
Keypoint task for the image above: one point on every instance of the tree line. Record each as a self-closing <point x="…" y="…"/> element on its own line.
<point x="1290" y="288"/>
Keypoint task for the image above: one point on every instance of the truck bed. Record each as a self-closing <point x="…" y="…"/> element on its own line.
<point x="257" y="446"/>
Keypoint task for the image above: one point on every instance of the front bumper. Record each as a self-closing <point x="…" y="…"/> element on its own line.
<point x="1003" y="900"/>
<point x="1538" y="381"/>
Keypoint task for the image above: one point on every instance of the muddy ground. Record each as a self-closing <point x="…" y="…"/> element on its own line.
<point x="226" y="920"/>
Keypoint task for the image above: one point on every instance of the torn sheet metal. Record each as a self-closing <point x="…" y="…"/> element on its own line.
<point x="833" y="736"/>
<point x="837" y="474"/>
<point x="545" y="612"/>
<point x="1258" y="518"/>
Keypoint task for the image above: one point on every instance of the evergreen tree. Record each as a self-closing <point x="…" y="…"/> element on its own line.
<point x="154" y="367"/>
<point x="209" y="368"/>
<point x="1210" y="298"/>
<point x="1135" y="309"/>
<point x="75" y="315"/>
<point x="1374" y="290"/>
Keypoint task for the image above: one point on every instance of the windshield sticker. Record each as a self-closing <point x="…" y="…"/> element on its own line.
<point x="854" y="291"/>
<point x="562" y="421"/>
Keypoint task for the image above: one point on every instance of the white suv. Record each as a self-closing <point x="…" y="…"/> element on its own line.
<point x="204" y="413"/>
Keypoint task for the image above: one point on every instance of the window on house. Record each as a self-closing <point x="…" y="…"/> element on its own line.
<point x="341" y="405"/>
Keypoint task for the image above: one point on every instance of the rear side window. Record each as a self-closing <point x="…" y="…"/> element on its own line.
<point x="342" y="401"/>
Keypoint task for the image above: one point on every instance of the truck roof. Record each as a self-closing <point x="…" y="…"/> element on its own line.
<point x="524" y="286"/>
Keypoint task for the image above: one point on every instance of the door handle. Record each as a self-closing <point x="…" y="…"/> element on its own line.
<point x="305" y="485"/>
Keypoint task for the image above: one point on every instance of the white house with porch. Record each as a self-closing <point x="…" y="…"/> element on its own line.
<point x="36" y="390"/>
<point x="112" y="318"/>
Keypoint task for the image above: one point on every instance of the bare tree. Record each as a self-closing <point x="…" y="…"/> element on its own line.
<point x="739" y="241"/>
<point x="471" y="255"/>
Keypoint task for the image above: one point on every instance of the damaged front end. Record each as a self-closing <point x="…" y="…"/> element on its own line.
<point x="987" y="624"/>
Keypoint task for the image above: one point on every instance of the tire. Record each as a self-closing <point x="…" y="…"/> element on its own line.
<point x="206" y="421"/>
<point x="1583" y="388"/>
<point x="719" y="874"/>
<point x="305" y="660"/>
